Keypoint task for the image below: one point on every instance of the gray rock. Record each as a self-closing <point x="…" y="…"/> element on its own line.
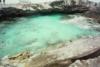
<point x="77" y="49"/>
<point x="93" y="62"/>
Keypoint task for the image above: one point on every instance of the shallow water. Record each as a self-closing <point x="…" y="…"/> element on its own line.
<point x="33" y="33"/>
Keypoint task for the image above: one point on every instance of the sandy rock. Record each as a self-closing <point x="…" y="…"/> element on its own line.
<point x="21" y="56"/>
<point x="16" y="61"/>
<point x="46" y="61"/>
<point x="59" y="57"/>
<point x="76" y="49"/>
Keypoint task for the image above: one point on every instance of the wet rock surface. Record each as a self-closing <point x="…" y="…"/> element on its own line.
<point x="81" y="53"/>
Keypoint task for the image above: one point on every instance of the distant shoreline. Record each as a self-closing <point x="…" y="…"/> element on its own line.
<point x="28" y="9"/>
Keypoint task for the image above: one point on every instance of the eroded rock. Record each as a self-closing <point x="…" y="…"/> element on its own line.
<point x="76" y="49"/>
<point x="60" y="56"/>
<point x="93" y="62"/>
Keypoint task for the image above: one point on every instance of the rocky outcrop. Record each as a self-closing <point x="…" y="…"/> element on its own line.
<point x="90" y="9"/>
<point x="43" y="8"/>
<point x="94" y="11"/>
<point x="93" y="62"/>
<point x="11" y="12"/>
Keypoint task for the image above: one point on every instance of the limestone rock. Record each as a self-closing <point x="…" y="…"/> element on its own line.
<point x="60" y="56"/>
<point x="93" y="62"/>
<point x="46" y="61"/>
<point x="77" y="49"/>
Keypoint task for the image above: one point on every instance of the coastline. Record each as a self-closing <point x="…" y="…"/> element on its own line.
<point x="57" y="57"/>
<point x="29" y="9"/>
<point x="20" y="10"/>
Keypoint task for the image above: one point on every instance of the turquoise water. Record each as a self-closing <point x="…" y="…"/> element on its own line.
<point x="34" y="33"/>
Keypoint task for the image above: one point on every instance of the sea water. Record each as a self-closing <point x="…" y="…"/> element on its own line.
<point x="37" y="32"/>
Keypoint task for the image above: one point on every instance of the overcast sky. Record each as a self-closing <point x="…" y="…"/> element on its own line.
<point x="16" y="1"/>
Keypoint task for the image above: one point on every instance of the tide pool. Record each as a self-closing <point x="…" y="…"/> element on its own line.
<point x="37" y="32"/>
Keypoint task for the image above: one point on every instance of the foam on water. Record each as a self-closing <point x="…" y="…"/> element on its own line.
<point x="34" y="33"/>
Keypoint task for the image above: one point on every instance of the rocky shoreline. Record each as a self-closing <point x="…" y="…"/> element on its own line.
<point x="60" y="57"/>
<point x="44" y="8"/>
<point x="89" y="9"/>
<point x="86" y="52"/>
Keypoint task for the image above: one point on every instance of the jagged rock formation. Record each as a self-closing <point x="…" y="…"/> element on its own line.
<point x="94" y="11"/>
<point x="93" y="62"/>
<point x="89" y="8"/>
<point x="75" y="2"/>
<point x="66" y="6"/>
<point x="7" y="13"/>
